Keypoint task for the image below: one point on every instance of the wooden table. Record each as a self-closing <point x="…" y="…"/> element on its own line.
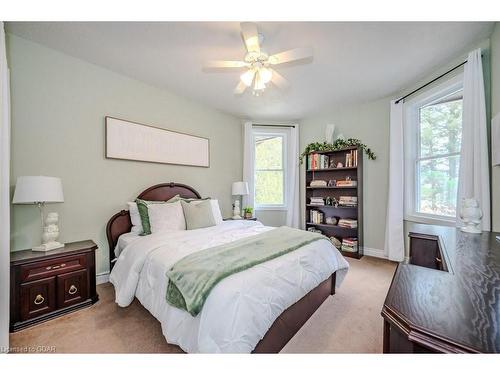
<point x="450" y="309"/>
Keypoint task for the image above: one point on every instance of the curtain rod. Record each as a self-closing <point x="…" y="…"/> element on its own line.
<point x="274" y="126"/>
<point x="434" y="80"/>
<point x="428" y="83"/>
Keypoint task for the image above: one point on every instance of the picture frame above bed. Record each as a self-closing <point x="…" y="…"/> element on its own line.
<point x="128" y="140"/>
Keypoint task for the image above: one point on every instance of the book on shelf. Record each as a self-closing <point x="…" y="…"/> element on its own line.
<point x="348" y="223"/>
<point x="317" y="201"/>
<point x="318" y="183"/>
<point x="316" y="217"/>
<point x="350" y="244"/>
<point x="318" y="161"/>
<point x="348" y="201"/>
<point x="341" y="183"/>
<point x="351" y="159"/>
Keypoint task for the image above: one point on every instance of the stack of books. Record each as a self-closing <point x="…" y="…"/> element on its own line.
<point x="317" y="201"/>
<point x="347" y="201"/>
<point x="318" y="183"/>
<point x="351" y="159"/>
<point x="348" y="223"/>
<point x="347" y="183"/>
<point x="316" y="217"/>
<point x="318" y="161"/>
<point x="350" y="244"/>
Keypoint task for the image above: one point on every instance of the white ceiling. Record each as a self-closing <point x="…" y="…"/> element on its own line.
<point x="353" y="61"/>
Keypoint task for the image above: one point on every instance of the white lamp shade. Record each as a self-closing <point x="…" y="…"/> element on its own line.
<point x="34" y="189"/>
<point x="240" y="188"/>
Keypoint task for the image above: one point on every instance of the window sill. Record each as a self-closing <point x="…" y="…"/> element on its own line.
<point x="430" y="220"/>
<point x="271" y="208"/>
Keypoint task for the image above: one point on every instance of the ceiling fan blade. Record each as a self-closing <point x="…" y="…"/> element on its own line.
<point x="240" y="88"/>
<point x="290" y="55"/>
<point x="278" y="80"/>
<point x="250" y="36"/>
<point x="225" y="64"/>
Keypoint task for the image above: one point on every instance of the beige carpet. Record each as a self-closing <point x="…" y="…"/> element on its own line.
<point x="348" y="322"/>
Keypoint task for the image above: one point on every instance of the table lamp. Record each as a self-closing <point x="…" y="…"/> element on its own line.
<point x="40" y="190"/>
<point x="239" y="188"/>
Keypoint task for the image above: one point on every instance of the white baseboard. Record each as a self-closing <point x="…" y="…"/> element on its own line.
<point x="102" y="278"/>
<point x="372" y="252"/>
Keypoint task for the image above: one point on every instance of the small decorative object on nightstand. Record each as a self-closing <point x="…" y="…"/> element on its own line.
<point x="40" y="190"/>
<point x="238" y="188"/>
<point x="46" y="285"/>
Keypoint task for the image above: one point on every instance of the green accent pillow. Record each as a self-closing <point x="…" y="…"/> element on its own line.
<point x="142" y="207"/>
<point x="198" y="215"/>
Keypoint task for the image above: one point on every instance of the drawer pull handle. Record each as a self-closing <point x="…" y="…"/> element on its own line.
<point x="39" y="299"/>
<point x="72" y="289"/>
<point x="55" y="267"/>
<point x="438" y="260"/>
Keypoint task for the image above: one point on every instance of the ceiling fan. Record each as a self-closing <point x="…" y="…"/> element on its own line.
<point x="258" y="64"/>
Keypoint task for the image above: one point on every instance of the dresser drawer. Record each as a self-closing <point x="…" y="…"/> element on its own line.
<point x="72" y="288"/>
<point x="53" y="267"/>
<point x="38" y="297"/>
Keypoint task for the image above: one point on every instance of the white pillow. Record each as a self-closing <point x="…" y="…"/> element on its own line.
<point x="135" y="218"/>
<point x="215" y="209"/>
<point x="166" y="216"/>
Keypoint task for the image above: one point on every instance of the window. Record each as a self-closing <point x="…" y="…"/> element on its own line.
<point x="270" y="168"/>
<point x="434" y="124"/>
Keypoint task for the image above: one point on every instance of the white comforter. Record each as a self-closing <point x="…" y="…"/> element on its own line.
<point x="241" y="308"/>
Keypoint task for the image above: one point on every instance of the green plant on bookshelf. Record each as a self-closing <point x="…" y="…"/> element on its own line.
<point x="339" y="144"/>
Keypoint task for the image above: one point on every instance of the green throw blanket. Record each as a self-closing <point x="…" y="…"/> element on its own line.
<point x="193" y="277"/>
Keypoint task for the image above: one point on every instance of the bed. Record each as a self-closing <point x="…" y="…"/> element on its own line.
<point x="257" y="310"/>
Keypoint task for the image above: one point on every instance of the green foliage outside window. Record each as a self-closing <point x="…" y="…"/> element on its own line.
<point x="440" y="134"/>
<point x="269" y="172"/>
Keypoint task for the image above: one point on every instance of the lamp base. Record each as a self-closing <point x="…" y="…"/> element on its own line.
<point x="48" y="246"/>
<point x="237" y="217"/>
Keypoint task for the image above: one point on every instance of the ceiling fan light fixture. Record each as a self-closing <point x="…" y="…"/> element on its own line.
<point x="265" y="74"/>
<point x="259" y="85"/>
<point x="258" y="65"/>
<point x="247" y="77"/>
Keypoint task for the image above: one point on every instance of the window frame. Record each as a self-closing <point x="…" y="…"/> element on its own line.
<point x="269" y="131"/>
<point x="412" y="153"/>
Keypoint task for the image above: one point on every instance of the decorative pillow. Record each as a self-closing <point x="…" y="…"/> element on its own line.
<point x="135" y="218"/>
<point x="198" y="215"/>
<point x="166" y="216"/>
<point x="214" y="202"/>
<point x="177" y="198"/>
<point x="143" y="208"/>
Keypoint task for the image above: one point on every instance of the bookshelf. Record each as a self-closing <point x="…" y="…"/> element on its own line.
<point x="353" y="172"/>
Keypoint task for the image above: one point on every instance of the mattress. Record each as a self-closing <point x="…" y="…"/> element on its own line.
<point x="242" y="307"/>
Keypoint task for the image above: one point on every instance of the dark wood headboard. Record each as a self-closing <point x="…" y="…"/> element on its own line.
<point x="120" y="223"/>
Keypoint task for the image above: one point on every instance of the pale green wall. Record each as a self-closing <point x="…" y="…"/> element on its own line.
<point x="495" y="109"/>
<point x="370" y="123"/>
<point x="58" y="109"/>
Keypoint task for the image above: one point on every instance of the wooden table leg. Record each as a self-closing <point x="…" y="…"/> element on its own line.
<point x="387" y="334"/>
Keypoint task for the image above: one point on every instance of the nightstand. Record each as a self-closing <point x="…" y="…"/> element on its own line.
<point x="44" y="285"/>
<point x="251" y="219"/>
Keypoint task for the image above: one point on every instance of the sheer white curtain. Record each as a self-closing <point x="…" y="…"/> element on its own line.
<point x="474" y="177"/>
<point x="4" y="192"/>
<point x="293" y="210"/>
<point x="394" y="231"/>
<point x="248" y="161"/>
<point x="292" y="172"/>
